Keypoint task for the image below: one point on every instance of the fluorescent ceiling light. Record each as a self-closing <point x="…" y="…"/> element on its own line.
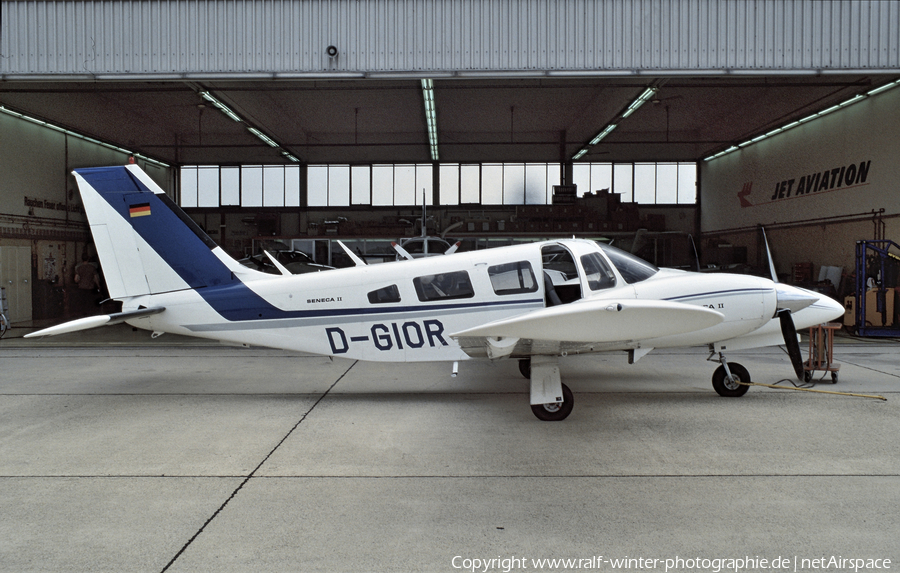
<point x="776" y="131"/>
<point x="82" y="137"/>
<point x="885" y="87"/>
<point x="224" y="108"/>
<point x="648" y="93"/>
<point x="580" y="153"/>
<point x="263" y="136"/>
<point x="603" y="134"/>
<point x="632" y="107"/>
<point x="430" y="117"/>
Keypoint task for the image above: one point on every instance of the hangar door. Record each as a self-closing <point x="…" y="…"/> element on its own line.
<point x="15" y="277"/>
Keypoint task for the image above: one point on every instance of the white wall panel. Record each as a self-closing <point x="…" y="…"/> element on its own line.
<point x="803" y="174"/>
<point x="234" y="37"/>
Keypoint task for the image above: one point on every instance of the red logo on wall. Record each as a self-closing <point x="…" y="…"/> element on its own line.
<point x="742" y="195"/>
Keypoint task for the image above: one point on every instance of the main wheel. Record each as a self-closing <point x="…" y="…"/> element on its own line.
<point x="555" y="411"/>
<point x="525" y="367"/>
<point x="731" y="389"/>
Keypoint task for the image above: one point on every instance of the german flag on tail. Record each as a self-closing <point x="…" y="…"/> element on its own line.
<point x="139" y="210"/>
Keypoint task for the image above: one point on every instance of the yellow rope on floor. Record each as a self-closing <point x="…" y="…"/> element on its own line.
<point x="874" y="396"/>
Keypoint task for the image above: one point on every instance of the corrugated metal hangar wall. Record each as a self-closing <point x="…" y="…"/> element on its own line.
<point x="372" y="38"/>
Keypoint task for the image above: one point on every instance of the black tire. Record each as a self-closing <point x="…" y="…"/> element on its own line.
<point x="834" y="377"/>
<point x="556" y="411"/>
<point x="525" y="367"/>
<point x="731" y="390"/>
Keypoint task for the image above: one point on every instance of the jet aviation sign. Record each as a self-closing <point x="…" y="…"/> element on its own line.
<point x="834" y="179"/>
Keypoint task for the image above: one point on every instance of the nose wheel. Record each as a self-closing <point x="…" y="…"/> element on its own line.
<point x="727" y="378"/>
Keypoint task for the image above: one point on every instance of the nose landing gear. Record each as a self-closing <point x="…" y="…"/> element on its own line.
<point x="727" y="379"/>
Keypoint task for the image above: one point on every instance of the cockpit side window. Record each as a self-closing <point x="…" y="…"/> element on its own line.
<point x="385" y="295"/>
<point x="598" y="274"/>
<point x="512" y="278"/>
<point x="632" y="269"/>
<point x="444" y="286"/>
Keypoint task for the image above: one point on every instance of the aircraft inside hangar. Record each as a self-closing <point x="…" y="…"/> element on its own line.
<point x="695" y="135"/>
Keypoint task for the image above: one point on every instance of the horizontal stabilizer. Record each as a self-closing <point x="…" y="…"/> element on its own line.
<point x="602" y="321"/>
<point x="89" y="322"/>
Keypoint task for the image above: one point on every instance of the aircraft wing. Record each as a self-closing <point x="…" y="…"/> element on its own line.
<point x="601" y="321"/>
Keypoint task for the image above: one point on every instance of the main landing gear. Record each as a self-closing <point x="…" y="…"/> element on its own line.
<point x="551" y="400"/>
<point x="727" y="379"/>
<point x="555" y="411"/>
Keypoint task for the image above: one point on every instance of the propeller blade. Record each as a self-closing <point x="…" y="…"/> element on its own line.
<point x="401" y="251"/>
<point x="356" y="260"/>
<point x="281" y="268"/>
<point x="790" y="341"/>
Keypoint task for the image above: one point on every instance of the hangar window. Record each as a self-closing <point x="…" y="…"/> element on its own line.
<point x="381" y="185"/>
<point x="444" y="286"/>
<point x="385" y="295"/>
<point x="498" y="183"/>
<point x="512" y="278"/>
<point x="405" y="185"/>
<point x="246" y="186"/>
<point x="645" y="183"/>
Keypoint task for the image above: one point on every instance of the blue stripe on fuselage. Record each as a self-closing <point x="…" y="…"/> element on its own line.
<point x="256" y="318"/>
<point x="730" y="292"/>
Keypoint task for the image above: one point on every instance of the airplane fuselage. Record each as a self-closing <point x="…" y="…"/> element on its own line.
<point x="384" y="312"/>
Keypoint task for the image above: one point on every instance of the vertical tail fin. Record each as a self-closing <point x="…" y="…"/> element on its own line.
<point x="146" y="243"/>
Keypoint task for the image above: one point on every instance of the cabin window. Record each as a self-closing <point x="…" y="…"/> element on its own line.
<point x="512" y="278"/>
<point x="599" y="275"/>
<point x="444" y="286"/>
<point x="386" y="294"/>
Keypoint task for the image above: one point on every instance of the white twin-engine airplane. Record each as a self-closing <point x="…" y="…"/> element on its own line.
<point x="533" y="302"/>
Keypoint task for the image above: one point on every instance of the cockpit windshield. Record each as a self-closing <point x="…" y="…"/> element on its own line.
<point x="632" y="269"/>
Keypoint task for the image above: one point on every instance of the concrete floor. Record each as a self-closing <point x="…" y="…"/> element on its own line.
<point x="118" y="453"/>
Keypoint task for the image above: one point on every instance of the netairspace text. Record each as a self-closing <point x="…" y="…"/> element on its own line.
<point x="713" y="565"/>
